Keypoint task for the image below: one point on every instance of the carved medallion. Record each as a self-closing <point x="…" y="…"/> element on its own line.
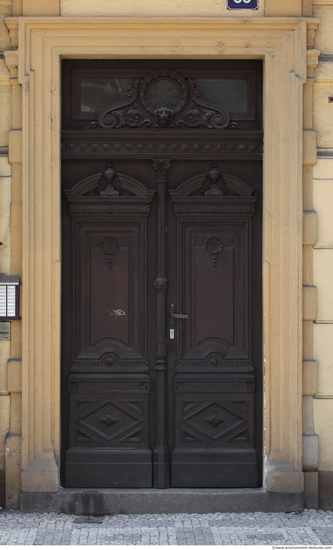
<point x="163" y="95"/>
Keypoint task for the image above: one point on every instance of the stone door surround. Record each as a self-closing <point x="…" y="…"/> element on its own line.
<point x="281" y="43"/>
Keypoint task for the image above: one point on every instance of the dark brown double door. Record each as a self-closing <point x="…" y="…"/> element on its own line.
<point x="162" y="310"/>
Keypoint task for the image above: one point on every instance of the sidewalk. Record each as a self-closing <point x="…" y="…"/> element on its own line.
<point x="307" y="528"/>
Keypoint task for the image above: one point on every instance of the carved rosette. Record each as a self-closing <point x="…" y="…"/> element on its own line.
<point x="164" y="99"/>
<point x="214" y="420"/>
<point x="108" y="419"/>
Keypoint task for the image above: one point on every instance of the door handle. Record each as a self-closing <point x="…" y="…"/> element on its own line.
<point x="174" y="315"/>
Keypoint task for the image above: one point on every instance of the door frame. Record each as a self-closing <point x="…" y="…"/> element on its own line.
<point x="281" y="43"/>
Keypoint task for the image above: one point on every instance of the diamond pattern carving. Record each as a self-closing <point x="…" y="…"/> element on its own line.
<point x="135" y="436"/>
<point x="214" y="420"/>
<point x="119" y="420"/>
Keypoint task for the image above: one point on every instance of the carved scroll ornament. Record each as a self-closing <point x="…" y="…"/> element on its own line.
<point x="163" y="99"/>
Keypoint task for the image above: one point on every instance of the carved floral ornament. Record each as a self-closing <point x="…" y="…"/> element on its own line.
<point x="110" y="246"/>
<point x="214" y="246"/>
<point x="163" y="99"/>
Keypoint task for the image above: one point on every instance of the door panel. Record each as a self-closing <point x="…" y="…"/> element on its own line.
<point x="214" y="433"/>
<point x="215" y="289"/>
<point x="172" y="226"/>
<point x="108" y="381"/>
<point x="111" y="297"/>
<point x="214" y="380"/>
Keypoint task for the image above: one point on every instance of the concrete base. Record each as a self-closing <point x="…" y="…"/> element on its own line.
<point x="165" y="501"/>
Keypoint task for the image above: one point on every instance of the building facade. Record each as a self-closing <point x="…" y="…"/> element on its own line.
<point x="277" y="361"/>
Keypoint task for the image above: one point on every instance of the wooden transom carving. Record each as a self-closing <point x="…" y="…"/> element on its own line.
<point x="164" y="99"/>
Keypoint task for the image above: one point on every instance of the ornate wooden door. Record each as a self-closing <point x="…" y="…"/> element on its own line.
<point x="161" y="377"/>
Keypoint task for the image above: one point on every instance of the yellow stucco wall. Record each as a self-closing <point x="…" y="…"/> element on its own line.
<point x="132" y="8"/>
<point x="318" y="338"/>
<point x="5" y="203"/>
<point x="323" y="249"/>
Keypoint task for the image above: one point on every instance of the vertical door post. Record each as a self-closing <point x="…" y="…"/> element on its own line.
<point x="161" y="475"/>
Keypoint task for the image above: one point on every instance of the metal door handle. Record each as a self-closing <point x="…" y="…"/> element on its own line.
<point x="179" y="316"/>
<point x="174" y="316"/>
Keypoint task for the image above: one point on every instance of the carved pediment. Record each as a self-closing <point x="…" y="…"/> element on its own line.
<point x="213" y="192"/>
<point x="97" y="194"/>
<point x="163" y="99"/>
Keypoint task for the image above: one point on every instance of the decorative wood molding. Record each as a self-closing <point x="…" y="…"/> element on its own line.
<point x="212" y="367"/>
<point x="231" y="144"/>
<point x="105" y="367"/>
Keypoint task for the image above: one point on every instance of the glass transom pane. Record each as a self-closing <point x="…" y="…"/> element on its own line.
<point x="97" y="93"/>
<point x="225" y="92"/>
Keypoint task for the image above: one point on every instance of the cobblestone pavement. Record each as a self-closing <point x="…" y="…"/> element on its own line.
<point x="307" y="528"/>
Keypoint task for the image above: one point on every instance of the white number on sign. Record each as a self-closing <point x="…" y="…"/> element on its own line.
<point x="240" y="1"/>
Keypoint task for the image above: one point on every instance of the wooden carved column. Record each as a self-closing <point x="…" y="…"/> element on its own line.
<point x="161" y="476"/>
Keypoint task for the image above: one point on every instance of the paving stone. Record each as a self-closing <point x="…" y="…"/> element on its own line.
<point x="310" y="527"/>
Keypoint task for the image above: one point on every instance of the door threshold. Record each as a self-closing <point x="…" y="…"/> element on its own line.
<point x="161" y="501"/>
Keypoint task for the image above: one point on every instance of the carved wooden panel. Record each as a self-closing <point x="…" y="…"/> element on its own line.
<point x="218" y="420"/>
<point x="215" y="294"/>
<point x="109" y="269"/>
<point x="214" y="265"/>
<point x="108" y="428"/>
<point x="214" y="433"/>
<point x="115" y="420"/>
<point x="111" y="301"/>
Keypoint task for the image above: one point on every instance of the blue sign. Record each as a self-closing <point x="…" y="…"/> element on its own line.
<point x="242" y="4"/>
